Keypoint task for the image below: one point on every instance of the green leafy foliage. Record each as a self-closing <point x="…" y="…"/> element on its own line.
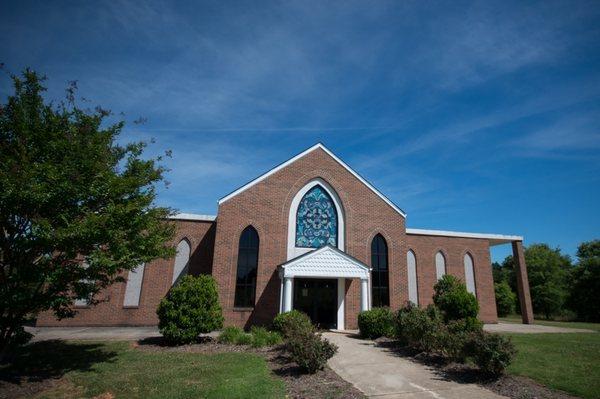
<point x="189" y="309"/>
<point x="69" y="194"/>
<point x="453" y="299"/>
<point x="262" y="337"/>
<point x="493" y="353"/>
<point x="310" y="350"/>
<point x="375" y="323"/>
<point x="505" y="299"/>
<point x="292" y="322"/>
<point x="585" y="282"/>
<point x="230" y="335"/>
<point x="419" y="328"/>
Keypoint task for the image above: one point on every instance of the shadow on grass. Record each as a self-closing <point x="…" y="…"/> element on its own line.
<point x="161" y="341"/>
<point x="44" y="360"/>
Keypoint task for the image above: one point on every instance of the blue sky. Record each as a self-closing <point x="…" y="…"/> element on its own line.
<point x="479" y="116"/>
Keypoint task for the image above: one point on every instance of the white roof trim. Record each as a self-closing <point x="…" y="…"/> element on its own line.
<point x="294" y="159"/>
<point x="193" y="216"/>
<point x="495" y="239"/>
<point x="325" y="262"/>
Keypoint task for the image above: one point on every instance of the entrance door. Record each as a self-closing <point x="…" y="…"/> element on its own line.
<point x="318" y="299"/>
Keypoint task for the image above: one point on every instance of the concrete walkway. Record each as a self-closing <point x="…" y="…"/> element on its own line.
<point x="379" y="373"/>
<point x="93" y="333"/>
<point x="531" y="329"/>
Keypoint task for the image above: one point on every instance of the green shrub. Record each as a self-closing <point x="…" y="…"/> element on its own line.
<point x="262" y="337"/>
<point x="230" y="335"/>
<point x="310" y="350"/>
<point x="292" y="322"/>
<point x="244" y="339"/>
<point x="421" y="329"/>
<point x="491" y="352"/>
<point x="505" y="299"/>
<point x="189" y="309"/>
<point x="453" y="299"/>
<point x="375" y="323"/>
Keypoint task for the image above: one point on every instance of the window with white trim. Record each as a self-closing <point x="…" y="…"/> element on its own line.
<point x="181" y="260"/>
<point x="411" y="264"/>
<point x="133" y="288"/>
<point x="469" y="274"/>
<point x="440" y="265"/>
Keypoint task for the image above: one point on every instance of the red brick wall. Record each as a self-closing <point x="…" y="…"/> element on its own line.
<point x="158" y="275"/>
<point x="266" y="206"/>
<point x="454" y="250"/>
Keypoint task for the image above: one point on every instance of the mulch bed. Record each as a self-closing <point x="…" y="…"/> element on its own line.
<point x="323" y="384"/>
<point x="515" y="387"/>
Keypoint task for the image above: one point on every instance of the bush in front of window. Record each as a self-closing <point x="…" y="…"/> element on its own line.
<point x="190" y="308"/>
<point x="375" y="323"/>
<point x="453" y="299"/>
<point x="292" y="322"/>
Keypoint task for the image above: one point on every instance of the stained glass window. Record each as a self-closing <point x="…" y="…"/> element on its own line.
<point x="245" y="287"/>
<point x="316" y="220"/>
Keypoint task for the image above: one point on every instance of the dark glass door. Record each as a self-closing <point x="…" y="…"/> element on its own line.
<point x="318" y="299"/>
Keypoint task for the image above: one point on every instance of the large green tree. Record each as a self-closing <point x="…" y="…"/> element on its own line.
<point x="585" y="282"/>
<point x="76" y="207"/>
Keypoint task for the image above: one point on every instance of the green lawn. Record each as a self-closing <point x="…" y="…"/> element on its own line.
<point x="565" y="324"/>
<point x="117" y="368"/>
<point x="569" y="362"/>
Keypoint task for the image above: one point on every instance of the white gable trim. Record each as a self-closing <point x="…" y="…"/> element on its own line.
<point x="302" y="154"/>
<point x="495" y="239"/>
<point x="193" y="216"/>
<point x="327" y="262"/>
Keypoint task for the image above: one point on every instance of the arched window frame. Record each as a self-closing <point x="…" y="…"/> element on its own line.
<point x="329" y="201"/>
<point x="468" y="256"/>
<point x="245" y="288"/>
<point x="181" y="263"/>
<point x="380" y="281"/>
<point x="415" y="296"/>
<point x="294" y="251"/>
<point x="445" y="266"/>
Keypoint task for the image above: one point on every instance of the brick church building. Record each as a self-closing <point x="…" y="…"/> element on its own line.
<point x="310" y="234"/>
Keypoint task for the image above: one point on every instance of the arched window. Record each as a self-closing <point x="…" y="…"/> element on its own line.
<point x="440" y="265"/>
<point x="469" y="274"/>
<point x="316" y="220"/>
<point x="411" y="262"/>
<point x="245" y="287"/>
<point x="181" y="259"/>
<point x="379" y="263"/>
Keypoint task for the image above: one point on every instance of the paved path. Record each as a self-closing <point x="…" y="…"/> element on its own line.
<point x="93" y="333"/>
<point x="381" y="374"/>
<point x="531" y="328"/>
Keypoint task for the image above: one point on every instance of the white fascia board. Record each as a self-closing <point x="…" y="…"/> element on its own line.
<point x="294" y="159"/>
<point x="193" y="216"/>
<point x="494" y="238"/>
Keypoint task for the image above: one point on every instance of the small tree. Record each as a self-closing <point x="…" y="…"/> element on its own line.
<point x="505" y="299"/>
<point x="76" y="208"/>
<point x="453" y="299"/>
<point x="190" y="309"/>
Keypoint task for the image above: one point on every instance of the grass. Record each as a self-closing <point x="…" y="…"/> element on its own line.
<point x="119" y="369"/>
<point x="565" y="324"/>
<point x="569" y="362"/>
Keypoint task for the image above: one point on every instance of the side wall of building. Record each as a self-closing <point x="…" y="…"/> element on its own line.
<point x="156" y="281"/>
<point x="454" y="250"/>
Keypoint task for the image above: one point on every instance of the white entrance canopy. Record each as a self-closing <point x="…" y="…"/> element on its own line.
<point x="325" y="262"/>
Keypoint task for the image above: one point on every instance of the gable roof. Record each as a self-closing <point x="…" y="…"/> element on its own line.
<point x="302" y="154"/>
<point x="326" y="261"/>
<point x="495" y="239"/>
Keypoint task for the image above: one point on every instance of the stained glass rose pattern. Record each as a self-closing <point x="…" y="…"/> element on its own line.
<point x="316" y="221"/>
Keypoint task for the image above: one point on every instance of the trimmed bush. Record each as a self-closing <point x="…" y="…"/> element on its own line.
<point x="190" y="309"/>
<point x="262" y="337"/>
<point x="292" y="322"/>
<point x="505" y="299"/>
<point x="421" y="329"/>
<point x="491" y="352"/>
<point x="375" y="323"/>
<point x="453" y="299"/>
<point x="310" y="351"/>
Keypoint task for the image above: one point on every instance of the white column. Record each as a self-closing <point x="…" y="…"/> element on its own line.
<point x="341" y="289"/>
<point x="281" y="294"/>
<point x="287" y="290"/>
<point x="364" y="295"/>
